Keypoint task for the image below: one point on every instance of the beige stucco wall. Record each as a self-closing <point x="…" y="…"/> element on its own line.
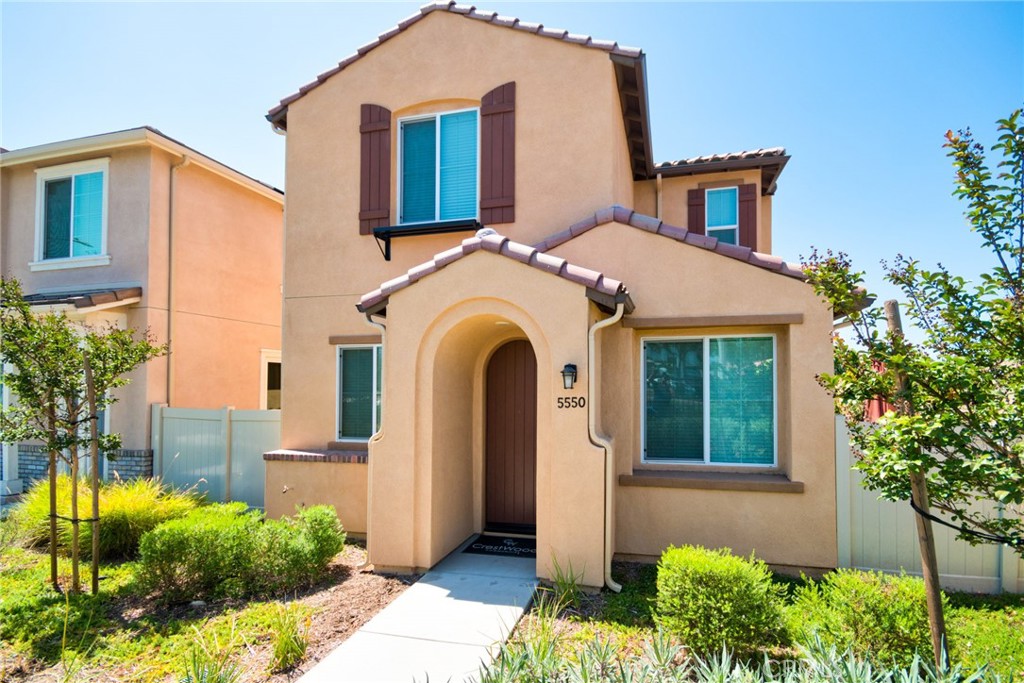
<point x="566" y="99"/>
<point x="343" y="485"/>
<point x="669" y="279"/>
<point x="427" y="468"/>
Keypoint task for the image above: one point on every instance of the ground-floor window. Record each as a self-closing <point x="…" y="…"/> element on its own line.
<point x="359" y="392"/>
<point x="709" y="400"/>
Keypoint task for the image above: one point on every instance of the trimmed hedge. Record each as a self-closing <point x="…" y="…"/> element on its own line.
<point x="224" y="550"/>
<point x="711" y="598"/>
<point x="877" y="616"/>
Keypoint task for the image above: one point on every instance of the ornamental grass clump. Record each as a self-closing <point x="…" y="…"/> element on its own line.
<point x="128" y="509"/>
<point x="711" y="599"/>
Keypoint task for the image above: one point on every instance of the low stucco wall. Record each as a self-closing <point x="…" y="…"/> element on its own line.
<point x="292" y="483"/>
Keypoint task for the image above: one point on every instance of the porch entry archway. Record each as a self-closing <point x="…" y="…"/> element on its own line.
<point x="510" y="461"/>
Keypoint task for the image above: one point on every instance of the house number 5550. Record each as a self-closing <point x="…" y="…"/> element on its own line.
<point x="572" y="402"/>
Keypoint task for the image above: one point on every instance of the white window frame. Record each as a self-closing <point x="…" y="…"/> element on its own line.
<point x="378" y="351"/>
<point x="267" y="356"/>
<point x="735" y="228"/>
<point x="437" y="163"/>
<point x="706" y="400"/>
<point x="69" y="171"/>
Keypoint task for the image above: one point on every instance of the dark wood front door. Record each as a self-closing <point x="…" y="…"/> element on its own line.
<point x="511" y="448"/>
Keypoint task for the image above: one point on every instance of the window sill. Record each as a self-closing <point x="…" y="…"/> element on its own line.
<point x="67" y="263"/>
<point x="717" y="481"/>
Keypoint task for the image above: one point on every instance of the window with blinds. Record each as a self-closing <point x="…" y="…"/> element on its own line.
<point x="710" y="400"/>
<point x="723" y="212"/>
<point x="359" y="392"/>
<point x="439" y="159"/>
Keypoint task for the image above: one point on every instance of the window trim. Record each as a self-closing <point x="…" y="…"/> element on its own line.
<point x="378" y="357"/>
<point x="735" y="228"/>
<point x="71" y="170"/>
<point x="705" y="399"/>
<point x="436" y="116"/>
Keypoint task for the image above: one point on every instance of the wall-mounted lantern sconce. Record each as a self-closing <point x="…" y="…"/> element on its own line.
<point x="569" y="375"/>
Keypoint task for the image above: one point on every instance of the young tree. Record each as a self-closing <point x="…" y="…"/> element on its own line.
<point x="47" y="355"/>
<point x="957" y="396"/>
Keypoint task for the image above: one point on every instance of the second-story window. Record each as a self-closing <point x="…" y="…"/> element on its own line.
<point x="438" y="176"/>
<point x="71" y="220"/>
<point x="723" y="214"/>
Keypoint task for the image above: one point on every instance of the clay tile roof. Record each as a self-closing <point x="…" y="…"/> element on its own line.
<point x="620" y="214"/>
<point x="602" y="287"/>
<point x="764" y="153"/>
<point x="771" y="161"/>
<point x="279" y="112"/>
<point x="84" y="298"/>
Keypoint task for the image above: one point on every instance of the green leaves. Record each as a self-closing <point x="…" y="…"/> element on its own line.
<point x="964" y="426"/>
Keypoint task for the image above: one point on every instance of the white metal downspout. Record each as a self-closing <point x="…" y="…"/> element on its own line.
<point x="369" y="461"/>
<point x="171" y="299"/>
<point x="602" y="442"/>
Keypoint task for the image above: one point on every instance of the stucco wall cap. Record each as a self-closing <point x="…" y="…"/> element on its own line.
<point x="603" y="216"/>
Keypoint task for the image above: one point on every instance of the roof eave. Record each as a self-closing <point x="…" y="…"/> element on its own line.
<point x="631" y="78"/>
<point x="771" y="169"/>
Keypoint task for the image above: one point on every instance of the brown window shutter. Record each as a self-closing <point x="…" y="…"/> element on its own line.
<point x="748" y="216"/>
<point x="374" y="168"/>
<point x="695" y="217"/>
<point x="498" y="155"/>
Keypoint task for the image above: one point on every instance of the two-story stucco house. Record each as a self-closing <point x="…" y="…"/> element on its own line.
<point x="501" y="314"/>
<point x="135" y="229"/>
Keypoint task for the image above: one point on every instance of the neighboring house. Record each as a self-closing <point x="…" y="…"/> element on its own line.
<point x="613" y="380"/>
<point x="137" y="230"/>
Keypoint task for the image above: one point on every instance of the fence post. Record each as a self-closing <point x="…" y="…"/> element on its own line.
<point x="225" y="426"/>
<point x="156" y="438"/>
<point x="844" y="523"/>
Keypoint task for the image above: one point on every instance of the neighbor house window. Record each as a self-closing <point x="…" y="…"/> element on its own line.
<point x="709" y="400"/>
<point x="723" y="214"/>
<point x="438" y="157"/>
<point x="359" y="392"/>
<point x="71" y="215"/>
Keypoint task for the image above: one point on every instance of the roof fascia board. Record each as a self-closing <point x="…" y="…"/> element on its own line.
<point x="133" y="138"/>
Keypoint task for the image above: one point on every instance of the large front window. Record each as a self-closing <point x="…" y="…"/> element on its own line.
<point x="71" y="214"/>
<point x="709" y="400"/>
<point x="439" y="167"/>
<point x="359" y="392"/>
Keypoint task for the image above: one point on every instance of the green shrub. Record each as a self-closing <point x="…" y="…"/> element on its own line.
<point x="877" y="616"/>
<point x="711" y="598"/>
<point x="128" y="509"/>
<point x="224" y="551"/>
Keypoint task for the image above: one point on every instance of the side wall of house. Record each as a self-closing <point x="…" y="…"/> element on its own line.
<point x="227" y="243"/>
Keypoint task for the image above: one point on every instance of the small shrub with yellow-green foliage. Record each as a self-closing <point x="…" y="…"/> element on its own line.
<point x="128" y="509"/>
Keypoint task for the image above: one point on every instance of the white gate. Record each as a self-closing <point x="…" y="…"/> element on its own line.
<point x="219" y="452"/>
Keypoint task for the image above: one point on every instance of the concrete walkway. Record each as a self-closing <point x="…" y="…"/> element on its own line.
<point x="442" y="628"/>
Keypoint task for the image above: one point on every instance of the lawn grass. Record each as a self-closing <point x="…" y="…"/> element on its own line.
<point x="117" y="630"/>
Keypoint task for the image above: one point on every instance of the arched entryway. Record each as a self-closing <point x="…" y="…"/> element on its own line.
<point x="510" y="450"/>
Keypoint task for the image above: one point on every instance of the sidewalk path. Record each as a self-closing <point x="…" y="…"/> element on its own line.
<point x="442" y="628"/>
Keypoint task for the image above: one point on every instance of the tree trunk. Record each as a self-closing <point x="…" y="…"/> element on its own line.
<point x="75" y="583"/>
<point x="919" y="496"/>
<point x="51" y="425"/>
<point x="94" y="458"/>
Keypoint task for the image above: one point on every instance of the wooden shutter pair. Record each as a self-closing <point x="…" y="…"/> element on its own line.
<point x="497" y="161"/>
<point x="747" y="214"/>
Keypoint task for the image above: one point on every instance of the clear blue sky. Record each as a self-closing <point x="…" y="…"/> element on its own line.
<point x="860" y="94"/>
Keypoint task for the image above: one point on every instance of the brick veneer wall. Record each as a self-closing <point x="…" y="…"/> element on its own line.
<point x="129" y="464"/>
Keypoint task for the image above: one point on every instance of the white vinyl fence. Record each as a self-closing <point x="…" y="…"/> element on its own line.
<point x="879" y="534"/>
<point x="220" y="452"/>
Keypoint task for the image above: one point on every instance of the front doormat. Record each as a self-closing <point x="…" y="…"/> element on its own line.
<point x="503" y="545"/>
